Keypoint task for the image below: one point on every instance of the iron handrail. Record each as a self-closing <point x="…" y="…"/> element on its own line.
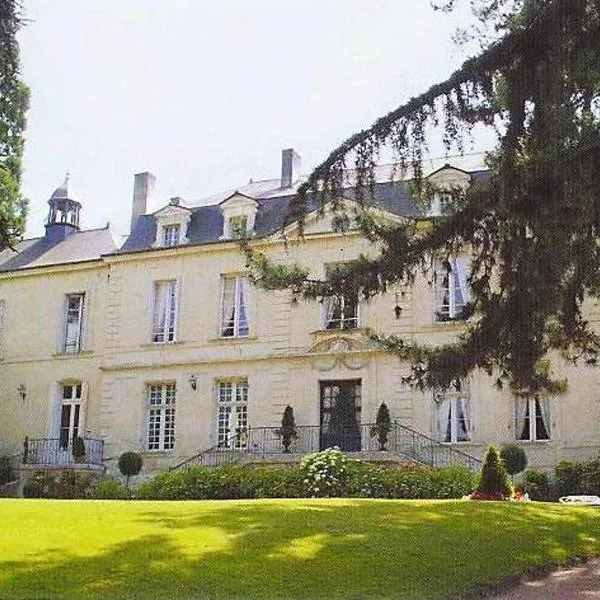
<point x="268" y="441"/>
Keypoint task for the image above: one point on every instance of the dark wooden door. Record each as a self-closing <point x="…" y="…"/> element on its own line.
<point x="340" y="415"/>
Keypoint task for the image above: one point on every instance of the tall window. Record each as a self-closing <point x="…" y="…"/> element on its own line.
<point x="171" y="235"/>
<point x="70" y="413"/>
<point x="234" y="307"/>
<point x="454" y="415"/>
<point x="161" y="416"/>
<point x="73" y="337"/>
<point x="165" y="311"/>
<point x="232" y="414"/>
<point x="532" y="419"/>
<point x="340" y="312"/>
<point x="451" y="288"/>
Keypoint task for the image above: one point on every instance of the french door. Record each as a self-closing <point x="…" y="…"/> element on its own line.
<point x="70" y="415"/>
<point x="340" y="414"/>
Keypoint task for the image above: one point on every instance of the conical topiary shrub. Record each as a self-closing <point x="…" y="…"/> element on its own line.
<point x="287" y="432"/>
<point x="493" y="483"/>
<point x="383" y="426"/>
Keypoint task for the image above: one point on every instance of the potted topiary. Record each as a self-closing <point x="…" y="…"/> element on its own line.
<point x="78" y="449"/>
<point x="130" y="464"/>
<point x="514" y="459"/>
<point x="493" y="483"/>
<point x="287" y="432"/>
<point x="383" y="426"/>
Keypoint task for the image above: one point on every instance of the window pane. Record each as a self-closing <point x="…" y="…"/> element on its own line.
<point x="232" y="414"/>
<point x="541" y="427"/>
<point x="161" y="416"/>
<point x="234" y="307"/>
<point x="171" y="235"/>
<point x="73" y="323"/>
<point x="451" y="291"/>
<point x="165" y="311"/>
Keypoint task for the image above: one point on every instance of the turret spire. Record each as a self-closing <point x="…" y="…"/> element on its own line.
<point x="63" y="217"/>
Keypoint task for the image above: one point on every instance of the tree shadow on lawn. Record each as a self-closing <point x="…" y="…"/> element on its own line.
<point x="315" y="549"/>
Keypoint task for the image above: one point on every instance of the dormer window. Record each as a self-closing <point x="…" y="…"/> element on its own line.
<point x="171" y="235"/>
<point x="448" y="184"/>
<point x="239" y="212"/>
<point x="171" y="225"/>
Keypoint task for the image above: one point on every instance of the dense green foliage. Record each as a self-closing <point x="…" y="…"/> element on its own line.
<point x="493" y="483"/>
<point x="536" y="483"/>
<point x="14" y="99"/>
<point x="532" y="226"/>
<point x="577" y="478"/>
<point x="513" y="457"/>
<point x="66" y="484"/>
<point x="324" y="474"/>
<point x="323" y="549"/>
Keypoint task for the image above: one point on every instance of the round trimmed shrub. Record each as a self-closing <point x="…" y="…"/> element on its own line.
<point x="514" y="458"/>
<point x="130" y="464"/>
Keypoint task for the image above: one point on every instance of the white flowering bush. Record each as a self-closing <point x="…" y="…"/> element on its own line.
<point x="326" y="473"/>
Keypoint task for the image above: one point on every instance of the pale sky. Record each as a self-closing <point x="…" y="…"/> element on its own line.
<point x="206" y="93"/>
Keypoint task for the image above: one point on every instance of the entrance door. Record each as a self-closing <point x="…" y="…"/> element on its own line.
<point x="70" y="412"/>
<point x="340" y="415"/>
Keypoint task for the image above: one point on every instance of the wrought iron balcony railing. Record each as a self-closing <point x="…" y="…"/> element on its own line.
<point x="56" y="452"/>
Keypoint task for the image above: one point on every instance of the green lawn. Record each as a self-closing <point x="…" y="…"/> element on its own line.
<point x="339" y="548"/>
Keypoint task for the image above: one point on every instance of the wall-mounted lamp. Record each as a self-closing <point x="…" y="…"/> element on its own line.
<point x="193" y="379"/>
<point x="22" y="390"/>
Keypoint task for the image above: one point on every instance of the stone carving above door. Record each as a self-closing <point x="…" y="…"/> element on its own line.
<point x="339" y="350"/>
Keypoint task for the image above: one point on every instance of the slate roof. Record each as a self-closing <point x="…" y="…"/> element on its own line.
<point x="206" y="223"/>
<point x="80" y="246"/>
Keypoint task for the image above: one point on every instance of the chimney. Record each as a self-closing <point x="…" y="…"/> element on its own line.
<point x="290" y="167"/>
<point x="143" y="186"/>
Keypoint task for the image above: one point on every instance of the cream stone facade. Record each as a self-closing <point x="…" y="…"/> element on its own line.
<point x="159" y="344"/>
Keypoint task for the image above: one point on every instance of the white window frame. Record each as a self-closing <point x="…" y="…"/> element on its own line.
<point x="74" y="401"/>
<point x="232" y="414"/>
<point x="165" y="311"/>
<point x="349" y="311"/>
<point x="171" y="234"/>
<point x="529" y="413"/>
<point x="349" y="316"/>
<point x="451" y="289"/>
<point x="161" y="402"/>
<point x="72" y="342"/>
<point x="233" y="325"/>
<point x="453" y="407"/>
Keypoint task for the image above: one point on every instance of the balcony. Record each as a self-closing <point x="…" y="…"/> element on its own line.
<point x="57" y="453"/>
